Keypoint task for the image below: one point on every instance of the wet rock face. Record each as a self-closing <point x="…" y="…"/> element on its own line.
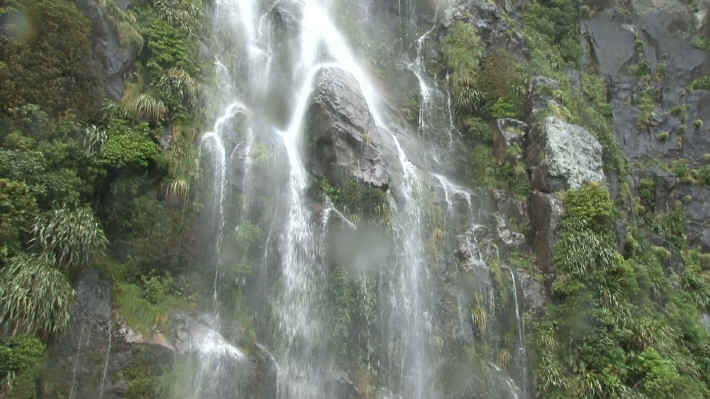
<point x="77" y="361"/>
<point x="510" y="133"/>
<point x="546" y="211"/>
<point x="341" y="134"/>
<point x="113" y="57"/>
<point x="656" y="33"/>
<point x="564" y="156"/>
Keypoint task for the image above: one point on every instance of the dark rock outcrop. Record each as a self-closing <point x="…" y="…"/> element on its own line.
<point x="654" y="36"/>
<point x="546" y="212"/>
<point x="341" y="133"/>
<point x="114" y="57"/>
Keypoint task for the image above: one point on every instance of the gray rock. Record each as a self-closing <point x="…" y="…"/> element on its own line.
<point x="564" y="156"/>
<point x="533" y="292"/>
<point x="546" y="212"/>
<point x="510" y="132"/>
<point x="341" y="133"/>
<point x="114" y="58"/>
<point x="541" y="89"/>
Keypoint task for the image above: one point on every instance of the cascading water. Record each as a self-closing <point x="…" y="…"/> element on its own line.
<point x="269" y="84"/>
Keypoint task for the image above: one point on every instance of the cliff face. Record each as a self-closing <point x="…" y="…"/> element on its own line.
<point x="474" y="199"/>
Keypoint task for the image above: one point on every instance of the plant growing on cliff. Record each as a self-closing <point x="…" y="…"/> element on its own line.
<point x="461" y="49"/>
<point x="71" y="237"/>
<point x="34" y="296"/>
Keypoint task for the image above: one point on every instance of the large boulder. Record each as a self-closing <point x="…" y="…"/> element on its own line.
<point x="341" y="133"/>
<point x="563" y="156"/>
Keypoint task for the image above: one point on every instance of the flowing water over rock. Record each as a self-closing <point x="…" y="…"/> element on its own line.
<point x="273" y="60"/>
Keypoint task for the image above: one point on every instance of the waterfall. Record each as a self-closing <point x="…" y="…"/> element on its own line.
<point x="270" y="69"/>
<point x="522" y="353"/>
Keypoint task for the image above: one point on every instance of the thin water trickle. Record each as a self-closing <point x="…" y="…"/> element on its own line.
<point x="107" y="358"/>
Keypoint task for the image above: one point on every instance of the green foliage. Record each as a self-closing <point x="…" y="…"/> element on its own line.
<point x="47" y="65"/>
<point x="557" y="21"/>
<point x="647" y="192"/>
<point x="680" y="112"/>
<point x="680" y="167"/>
<point x="145" y="306"/>
<point x="184" y="14"/>
<point x="128" y="145"/>
<point x="590" y="205"/>
<point x="618" y="327"/>
<point x="478" y="130"/>
<point x="502" y="109"/>
<point x="663" y="136"/>
<point x="145" y="106"/>
<point x="509" y="176"/>
<point x="502" y="81"/>
<point x="461" y="49"/>
<point x="360" y="202"/>
<point x="704" y="175"/>
<point x="701" y="83"/>
<point x="20" y="360"/>
<point x="125" y="24"/>
<point x="169" y="46"/>
<point x="72" y="237"/>
<point x="646" y="106"/>
<point x="18" y="208"/>
<point x="34" y="296"/>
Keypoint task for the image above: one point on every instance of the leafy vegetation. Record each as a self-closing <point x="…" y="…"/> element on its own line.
<point x="34" y="296"/>
<point x="617" y="327"/>
<point x="45" y="63"/>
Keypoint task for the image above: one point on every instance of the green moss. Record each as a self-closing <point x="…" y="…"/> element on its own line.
<point x="663" y="136"/>
<point x="698" y="124"/>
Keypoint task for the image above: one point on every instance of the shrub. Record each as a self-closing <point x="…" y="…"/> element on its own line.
<point x="128" y="145"/>
<point x="680" y="168"/>
<point x="72" y="237"/>
<point x="34" y="296"/>
<point x="704" y="175"/>
<point x="590" y="205"/>
<point x="461" y="49"/>
<point x="49" y="68"/>
<point x="647" y="192"/>
<point x="20" y="358"/>
<point x="701" y="83"/>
